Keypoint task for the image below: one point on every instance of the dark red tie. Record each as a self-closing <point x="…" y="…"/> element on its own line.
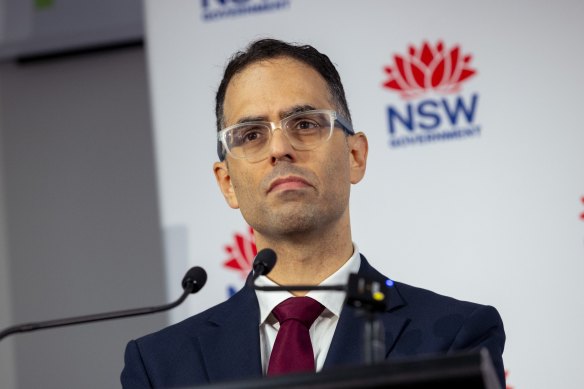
<point x="292" y="351"/>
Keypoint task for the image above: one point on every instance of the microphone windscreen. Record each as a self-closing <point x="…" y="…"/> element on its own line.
<point x="264" y="262"/>
<point x="197" y="276"/>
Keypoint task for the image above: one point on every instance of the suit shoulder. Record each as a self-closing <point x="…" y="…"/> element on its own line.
<point x="429" y="301"/>
<point x="459" y="324"/>
<point x="443" y="324"/>
<point x="423" y="303"/>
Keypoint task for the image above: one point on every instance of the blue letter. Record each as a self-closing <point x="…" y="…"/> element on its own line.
<point x="407" y="122"/>
<point x="425" y="113"/>
<point x="461" y="108"/>
<point x="206" y="3"/>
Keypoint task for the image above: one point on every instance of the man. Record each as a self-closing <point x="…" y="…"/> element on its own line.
<point x="288" y="156"/>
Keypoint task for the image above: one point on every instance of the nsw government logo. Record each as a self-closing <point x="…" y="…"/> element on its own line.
<point x="429" y="79"/>
<point x="219" y="9"/>
<point x="240" y="255"/>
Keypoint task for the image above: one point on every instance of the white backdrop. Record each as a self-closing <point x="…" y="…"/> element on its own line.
<point x="493" y="217"/>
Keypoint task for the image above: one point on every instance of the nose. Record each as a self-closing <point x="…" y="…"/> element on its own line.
<point x="280" y="147"/>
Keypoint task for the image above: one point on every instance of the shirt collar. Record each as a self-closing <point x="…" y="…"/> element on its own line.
<point x="332" y="300"/>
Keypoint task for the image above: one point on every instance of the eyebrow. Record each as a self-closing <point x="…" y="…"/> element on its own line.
<point x="282" y="114"/>
<point x="296" y="109"/>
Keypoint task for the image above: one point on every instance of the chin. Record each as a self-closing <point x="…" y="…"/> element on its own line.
<point x="288" y="223"/>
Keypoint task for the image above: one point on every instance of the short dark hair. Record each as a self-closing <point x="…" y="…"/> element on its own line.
<point x="264" y="49"/>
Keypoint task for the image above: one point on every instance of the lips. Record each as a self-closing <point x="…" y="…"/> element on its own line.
<point x="286" y="183"/>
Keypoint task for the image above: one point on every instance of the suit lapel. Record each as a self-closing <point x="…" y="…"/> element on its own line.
<point x="394" y="324"/>
<point x="346" y="347"/>
<point x="230" y="342"/>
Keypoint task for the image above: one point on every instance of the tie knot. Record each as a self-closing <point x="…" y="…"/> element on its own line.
<point x="302" y="309"/>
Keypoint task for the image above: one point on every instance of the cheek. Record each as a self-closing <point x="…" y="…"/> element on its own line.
<point x="243" y="187"/>
<point x="335" y="172"/>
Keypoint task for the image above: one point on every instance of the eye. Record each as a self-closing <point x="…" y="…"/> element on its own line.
<point x="251" y="135"/>
<point x="248" y="135"/>
<point x="305" y="124"/>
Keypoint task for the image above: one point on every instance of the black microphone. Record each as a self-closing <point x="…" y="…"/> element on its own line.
<point x="192" y="282"/>
<point x="263" y="264"/>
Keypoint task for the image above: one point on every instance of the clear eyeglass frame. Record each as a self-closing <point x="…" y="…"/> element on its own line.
<point x="335" y="120"/>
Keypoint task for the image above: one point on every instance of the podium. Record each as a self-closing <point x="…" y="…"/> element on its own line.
<point x="468" y="370"/>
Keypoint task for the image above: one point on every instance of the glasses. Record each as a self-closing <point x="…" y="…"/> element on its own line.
<point x="304" y="130"/>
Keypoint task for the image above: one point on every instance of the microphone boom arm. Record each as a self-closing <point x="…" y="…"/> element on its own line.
<point x="193" y="281"/>
<point x="298" y="288"/>
<point x="28" y="327"/>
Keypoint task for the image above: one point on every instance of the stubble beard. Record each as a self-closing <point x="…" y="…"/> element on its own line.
<point x="298" y="218"/>
<point x="296" y="215"/>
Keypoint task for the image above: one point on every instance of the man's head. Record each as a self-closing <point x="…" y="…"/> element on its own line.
<point x="290" y="190"/>
<point x="266" y="49"/>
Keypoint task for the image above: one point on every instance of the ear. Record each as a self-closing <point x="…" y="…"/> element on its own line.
<point x="223" y="178"/>
<point x="358" y="149"/>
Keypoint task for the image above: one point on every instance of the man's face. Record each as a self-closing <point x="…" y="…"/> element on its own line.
<point x="290" y="192"/>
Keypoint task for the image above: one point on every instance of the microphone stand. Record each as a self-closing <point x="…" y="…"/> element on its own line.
<point x="28" y="327"/>
<point x="373" y="339"/>
<point x="298" y="288"/>
<point x="370" y="298"/>
<point x="193" y="281"/>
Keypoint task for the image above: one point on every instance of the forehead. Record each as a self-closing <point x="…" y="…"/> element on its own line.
<point x="267" y="88"/>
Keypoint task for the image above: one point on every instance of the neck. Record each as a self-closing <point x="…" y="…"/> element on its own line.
<point x="309" y="259"/>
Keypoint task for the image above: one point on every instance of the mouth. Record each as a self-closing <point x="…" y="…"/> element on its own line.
<point x="288" y="183"/>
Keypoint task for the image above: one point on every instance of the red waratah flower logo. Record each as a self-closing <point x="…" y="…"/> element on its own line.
<point x="507" y="386"/>
<point x="431" y="67"/>
<point x="582" y="214"/>
<point x="241" y="253"/>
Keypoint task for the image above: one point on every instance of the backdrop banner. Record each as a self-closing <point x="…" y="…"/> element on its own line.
<point x="475" y="180"/>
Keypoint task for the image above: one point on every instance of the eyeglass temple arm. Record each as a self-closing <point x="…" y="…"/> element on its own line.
<point x="345" y="124"/>
<point x="220" y="151"/>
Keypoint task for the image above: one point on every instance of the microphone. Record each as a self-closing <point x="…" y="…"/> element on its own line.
<point x="263" y="264"/>
<point x="192" y="282"/>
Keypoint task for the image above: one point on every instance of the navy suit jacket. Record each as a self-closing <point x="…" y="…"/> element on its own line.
<point x="223" y="343"/>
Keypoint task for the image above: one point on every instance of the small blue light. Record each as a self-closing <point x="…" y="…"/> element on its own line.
<point x="389" y="282"/>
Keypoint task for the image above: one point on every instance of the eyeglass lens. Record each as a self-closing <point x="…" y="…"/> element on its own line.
<point x="305" y="131"/>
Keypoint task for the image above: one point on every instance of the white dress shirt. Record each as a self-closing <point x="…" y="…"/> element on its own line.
<point x="323" y="328"/>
